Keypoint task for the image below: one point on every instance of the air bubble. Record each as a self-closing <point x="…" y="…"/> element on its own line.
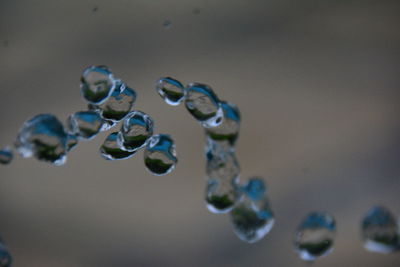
<point x="6" y="155"/>
<point x="380" y="231"/>
<point x="315" y="235"/>
<point x="171" y="90"/>
<point x="44" y="137"/>
<point x="97" y="84"/>
<point x="5" y="256"/>
<point x="160" y="155"/>
<point x="203" y="104"/>
<point x="137" y="127"/>
<point x="229" y="126"/>
<point x="85" y="124"/>
<point x="110" y="149"/>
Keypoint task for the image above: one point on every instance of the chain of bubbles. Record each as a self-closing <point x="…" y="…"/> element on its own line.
<point x="110" y="101"/>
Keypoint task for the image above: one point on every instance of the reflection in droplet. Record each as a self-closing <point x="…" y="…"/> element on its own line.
<point x="97" y="83"/>
<point x="137" y="127"/>
<point x="85" y="124"/>
<point x="111" y="150"/>
<point x="5" y="256"/>
<point x="171" y="90"/>
<point x="160" y="155"/>
<point x="315" y="235"/>
<point x="72" y="141"/>
<point x="6" y="155"/>
<point x="44" y="137"/>
<point x="203" y="104"/>
<point x="228" y="128"/>
<point x="380" y="231"/>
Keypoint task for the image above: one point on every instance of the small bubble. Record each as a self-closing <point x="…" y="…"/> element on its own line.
<point x="6" y="155"/>
<point x="85" y="124"/>
<point x="110" y="149"/>
<point x="137" y="127"/>
<point x="380" y="231"/>
<point x="167" y="24"/>
<point x="160" y="155"/>
<point x="203" y="104"/>
<point x="171" y="90"/>
<point x="44" y="137"/>
<point x="5" y="256"/>
<point x="314" y="236"/>
<point x="97" y="84"/>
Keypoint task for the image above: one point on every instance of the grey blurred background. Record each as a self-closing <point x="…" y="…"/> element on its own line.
<point x="317" y="83"/>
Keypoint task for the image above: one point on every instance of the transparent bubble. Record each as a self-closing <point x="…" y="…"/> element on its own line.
<point x="6" y="155"/>
<point x="72" y="141"/>
<point x="171" y="90"/>
<point x="203" y="104"/>
<point x="119" y="104"/>
<point x="137" y="127"/>
<point x="85" y="124"/>
<point x="44" y="137"/>
<point x="248" y="223"/>
<point x="315" y="235"/>
<point x="380" y="231"/>
<point x="110" y="149"/>
<point x="160" y="155"/>
<point x="97" y="84"/>
<point x="228" y="128"/>
<point x="5" y="257"/>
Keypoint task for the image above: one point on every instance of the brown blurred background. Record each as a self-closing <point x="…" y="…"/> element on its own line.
<point x="317" y="83"/>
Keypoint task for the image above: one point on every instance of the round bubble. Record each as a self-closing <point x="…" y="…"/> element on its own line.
<point x="171" y="90"/>
<point x="111" y="150"/>
<point x="97" y="84"/>
<point x="85" y="124"/>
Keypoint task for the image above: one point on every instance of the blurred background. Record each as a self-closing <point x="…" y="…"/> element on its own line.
<point x="317" y="83"/>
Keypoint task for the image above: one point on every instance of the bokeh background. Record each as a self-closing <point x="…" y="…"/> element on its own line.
<point x="317" y="83"/>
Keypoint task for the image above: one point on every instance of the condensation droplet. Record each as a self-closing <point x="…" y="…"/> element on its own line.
<point x="6" y="155"/>
<point x="229" y="126"/>
<point x="119" y="104"/>
<point x="44" y="137"/>
<point x="315" y="235"/>
<point x="97" y="84"/>
<point x="203" y="104"/>
<point x="160" y="155"/>
<point x="171" y="90"/>
<point x="110" y="149"/>
<point x="137" y="127"/>
<point x="85" y="124"/>
<point x="5" y="256"/>
<point x="380" y="231"/>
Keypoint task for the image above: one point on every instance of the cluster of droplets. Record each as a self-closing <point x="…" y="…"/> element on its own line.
<point x="110" y="101"/>
<point x="247" y="204"/>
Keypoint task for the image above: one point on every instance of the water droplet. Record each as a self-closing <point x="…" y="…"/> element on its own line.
<point x="97" y="84"/>
<point x="137" y="127"/>
<point x="119" y="104"/>
<point x="380" y="231"/>
<point x="72" y="141"/>
<point x="110" y="149"/>
<point x="171" y="90"/>
<point x="160" y="155"/>
<point x="223" y="171"/>
<point x="85" y="124"/>
<point x="167" y="24"/>
<point x="314" y="236"/>
<point x="44" y="137"/>
<point x="107" y="125"/>
<point x="228" y="128"/>
<point x="250" y="223"/>
<point x="203" y="104"/>
<point x="6" y="155"/>
<point x="5" y="257"/>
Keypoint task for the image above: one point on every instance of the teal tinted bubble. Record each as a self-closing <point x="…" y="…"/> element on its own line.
<point x="315" y="235"/>
<point x="85" y="124"/>
<point x="255" y="189"/>
<point x="160" y="154"/>
<point x="228" y="129"/>
<point x="380" y="231"/>
<point x="171" y="90"/>
<point x="97" y="84"/>
<point x="110" y="149"/>
<point x="248" y="223"/>
<point x="6" y="155"/>
<point x="5" y="256"/>
<point x="203" y="104"/>
<point x="44" y="137"/>
<point x="119" y="104"/>
<point x="137" y="127"/>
